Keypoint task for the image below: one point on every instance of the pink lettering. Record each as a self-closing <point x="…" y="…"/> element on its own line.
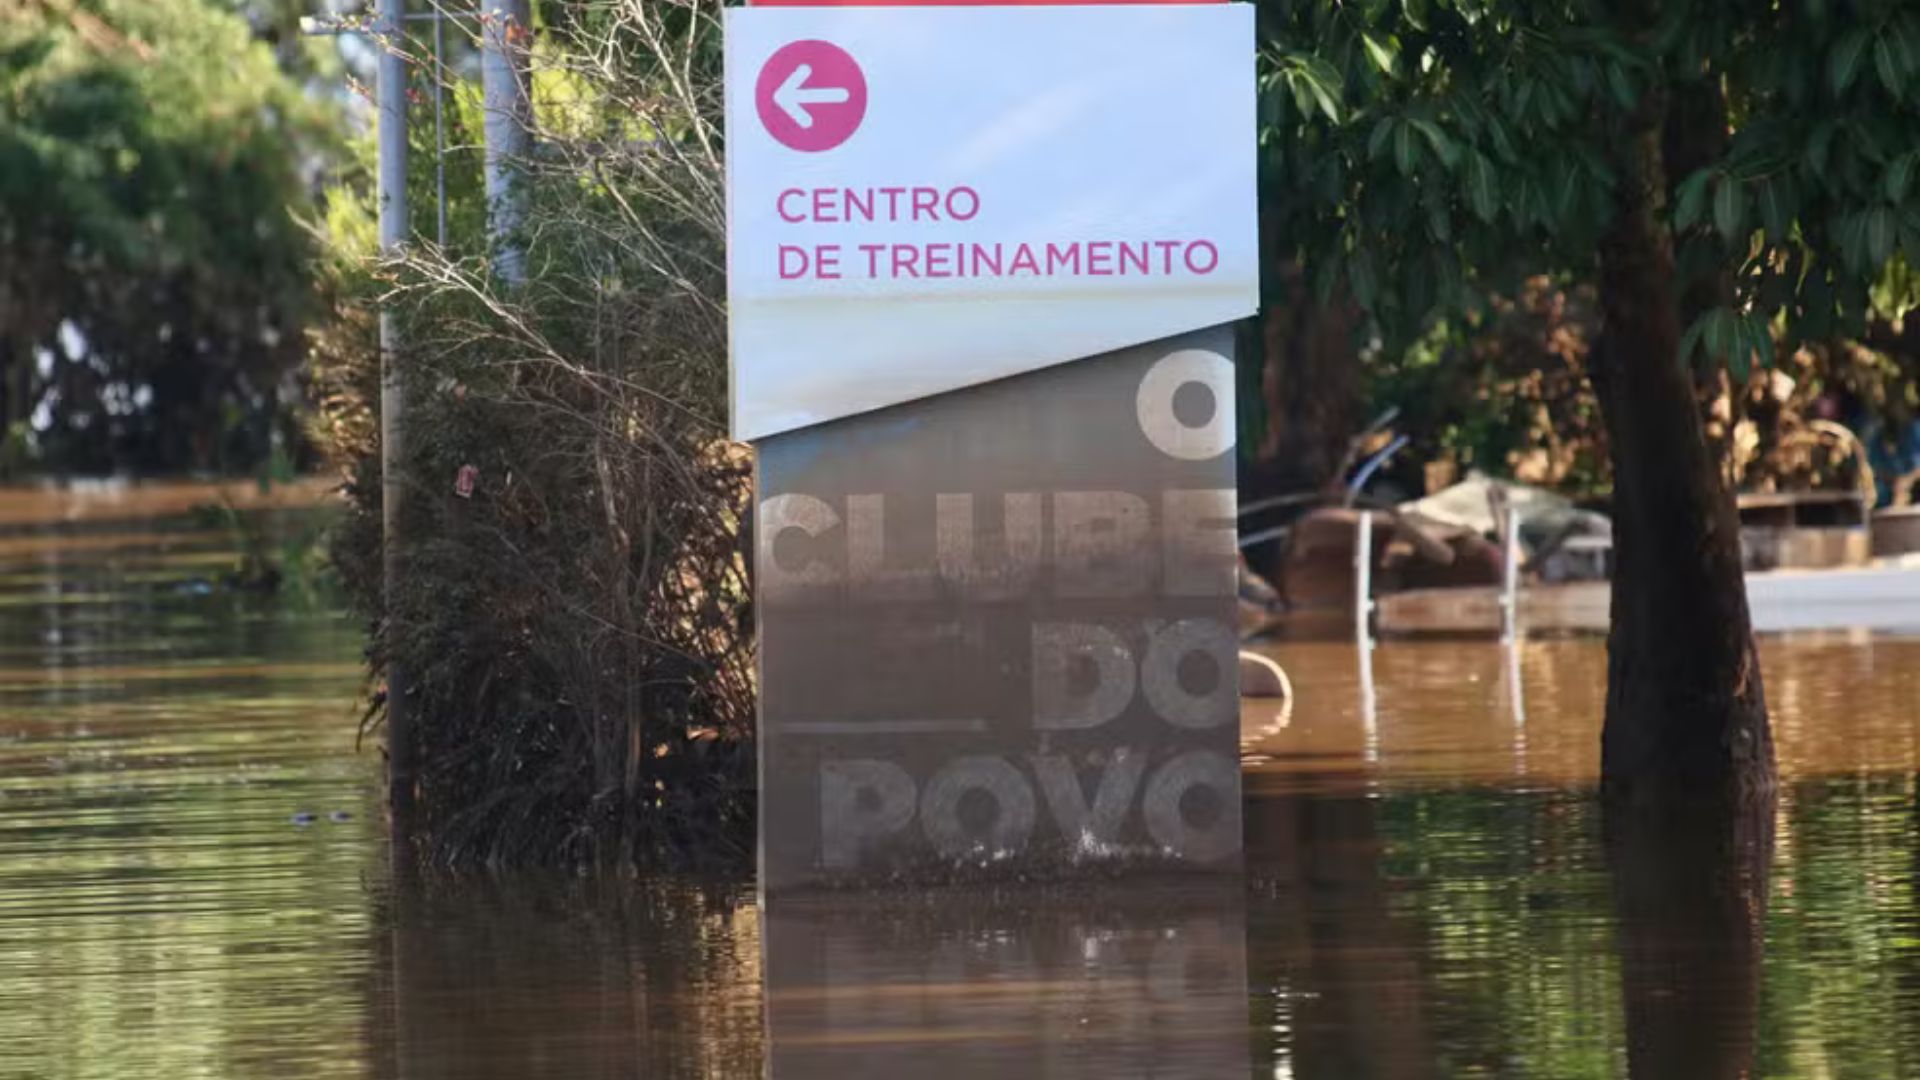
<point x="1100" y="258"/>
<point x="1166" y="254"/>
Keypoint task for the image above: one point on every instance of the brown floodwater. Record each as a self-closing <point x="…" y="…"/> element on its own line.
<point x="194" y="881"/>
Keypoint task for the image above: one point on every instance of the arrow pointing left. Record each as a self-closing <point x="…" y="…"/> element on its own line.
<point x="795" y="95"/>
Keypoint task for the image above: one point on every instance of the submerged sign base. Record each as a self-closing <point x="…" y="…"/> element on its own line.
<point x="997" y="631"/>
<point x="1140" y="979"/>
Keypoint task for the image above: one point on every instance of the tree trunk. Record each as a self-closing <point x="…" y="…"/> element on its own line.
<point x="1685" y="706"/>
<point x="1309" y="387"/>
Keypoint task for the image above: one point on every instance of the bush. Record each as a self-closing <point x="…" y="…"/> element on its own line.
<point x="576" y="632"/>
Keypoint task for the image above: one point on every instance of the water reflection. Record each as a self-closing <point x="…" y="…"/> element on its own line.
<point x="1134" y="979"/>
<point x="1450" y="712"/>
<point x="1338" y="971"/>
<point x="598" y="977"/>
<point x="160" y="914"/>
<point x="1441" y="897"/>
<point x="1690" y="899"/>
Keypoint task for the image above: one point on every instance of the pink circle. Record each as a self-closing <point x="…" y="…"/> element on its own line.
<point x="811" y="96"/>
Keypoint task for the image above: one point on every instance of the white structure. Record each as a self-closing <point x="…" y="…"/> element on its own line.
<point x="927" y="198"/>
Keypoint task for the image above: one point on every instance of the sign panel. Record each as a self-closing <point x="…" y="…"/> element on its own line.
<point x="922" y="199"/>
<point x="997" y="631"/>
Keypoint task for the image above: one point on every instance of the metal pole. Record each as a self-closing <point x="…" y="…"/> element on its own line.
<point x="1363" y="581"/>
<point x="1510" y="582"/>
<point x="440" y="129"/>
<point x="1363" y="632"/>
<point x="392" y="92"/>
<point x="505" y="26"/>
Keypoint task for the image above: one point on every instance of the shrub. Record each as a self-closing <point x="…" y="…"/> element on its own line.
<point x="575" y="632"/>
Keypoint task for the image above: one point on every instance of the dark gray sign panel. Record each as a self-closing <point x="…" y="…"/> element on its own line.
<point x="997" y="629"/>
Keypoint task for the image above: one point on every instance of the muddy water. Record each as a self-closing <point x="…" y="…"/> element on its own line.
<point x="1428" y="890"/>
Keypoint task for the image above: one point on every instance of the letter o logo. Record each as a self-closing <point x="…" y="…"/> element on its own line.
<point x="1167" y="823"/>
<point x="1154" y="405"/>
<point x="993" y="777"/>
<point x="1160" y="674"/>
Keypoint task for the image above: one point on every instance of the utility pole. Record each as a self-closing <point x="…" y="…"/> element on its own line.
<point x="506" y="31"/>
<point x="394" y="226"/>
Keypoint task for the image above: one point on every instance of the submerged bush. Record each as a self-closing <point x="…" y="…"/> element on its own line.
<point x="571" y="614"/>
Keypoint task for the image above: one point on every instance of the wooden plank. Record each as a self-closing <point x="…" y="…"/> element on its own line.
<point x="1472" y="610"/>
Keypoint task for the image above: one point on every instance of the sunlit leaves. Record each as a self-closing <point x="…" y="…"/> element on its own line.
<point x="1381" y="52"/>
<point x="1315" y="84"/>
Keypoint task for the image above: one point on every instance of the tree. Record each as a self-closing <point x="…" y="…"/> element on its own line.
<point x="1727" y="174"/>
<point x="153" y="279"/>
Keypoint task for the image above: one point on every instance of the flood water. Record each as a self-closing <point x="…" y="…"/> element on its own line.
<point x="194" y="883"/>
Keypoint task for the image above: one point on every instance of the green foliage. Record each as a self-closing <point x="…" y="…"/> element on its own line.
<point x="1429" y="152"/>
<point x="576" y="631"/>
<point x="1503" y="391"/>
<point x="155" y="281"/>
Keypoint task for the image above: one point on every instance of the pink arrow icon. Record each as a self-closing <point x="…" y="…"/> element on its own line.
<point x="811" y="95"/>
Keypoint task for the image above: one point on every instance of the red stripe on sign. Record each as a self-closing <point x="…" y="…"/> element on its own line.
<point x="962" y="3"/>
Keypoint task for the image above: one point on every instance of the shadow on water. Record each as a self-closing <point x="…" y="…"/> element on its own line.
<point x="1431" y="887"/>
<point x="1690" y="900"/>
<point x="564" y="977"/>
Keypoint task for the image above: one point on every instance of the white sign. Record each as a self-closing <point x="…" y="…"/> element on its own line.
<point x="926" y="198"/>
